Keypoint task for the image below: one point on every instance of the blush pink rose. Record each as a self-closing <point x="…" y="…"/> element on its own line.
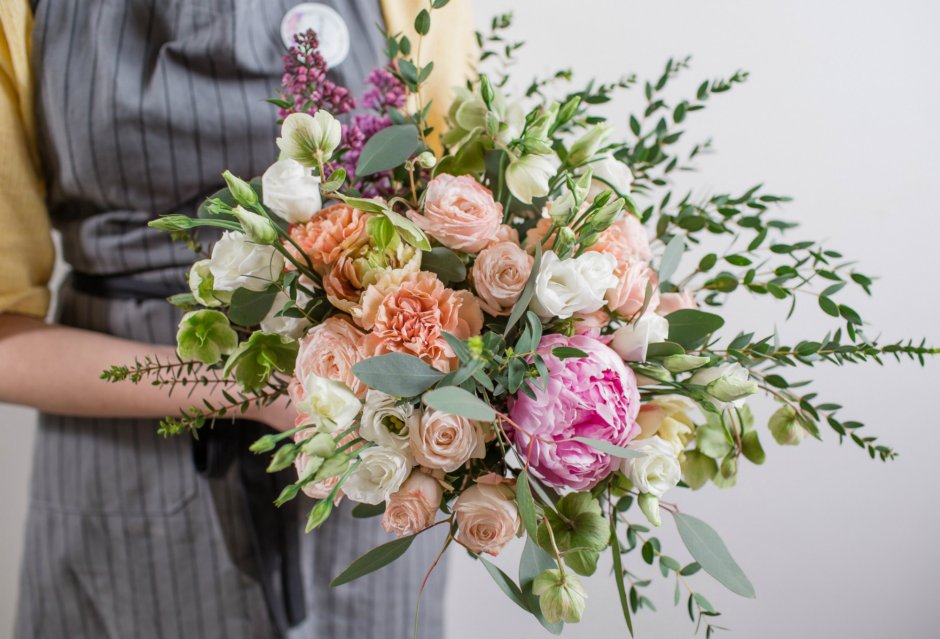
<point x="591" y="323"/>
<point x="331" y="232"/>
<point x="506" y="233"/>
<point x="537" y="234"/>
<point x="412" y="316"/>
<point x="487" y="518"/>
<point x="628" y="295"/>
<point x="499" y="274"/>
<point x="412" y="508"/>
<point x="460" y="213"/>
<point x="330" y="349"/>
<point x="445" y="442"/>
<point x="626" y="240"/>
<point x="594" y="397"/>
<point x="672" y="302"/>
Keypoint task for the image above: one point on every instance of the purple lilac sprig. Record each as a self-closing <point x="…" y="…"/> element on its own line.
<point x="305" y="85"/>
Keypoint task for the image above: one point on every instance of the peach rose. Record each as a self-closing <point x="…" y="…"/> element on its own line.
<point x="487" y="518"/>
<point x="591" y="323"/>
<point x="331" y="232"/>
<point x="625" y="239"/>
<point x="672" y="302"/>
<point x="460" y="213"/>
<point x="446" y="442"/>
<point x="628" y="295"/>
<point x="413" y="316"/>
<point x="412" y="508"/>
<point x="537" y="233"/>
<point x="329" y="349"/>
<point x="506" y="233"/>
<point x="499" y="274"/>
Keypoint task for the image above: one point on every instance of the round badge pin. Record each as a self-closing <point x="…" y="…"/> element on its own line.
<point x="329" y="26"/>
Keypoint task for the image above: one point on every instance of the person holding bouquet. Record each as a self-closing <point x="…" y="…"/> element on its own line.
<point x="111" y="113"/>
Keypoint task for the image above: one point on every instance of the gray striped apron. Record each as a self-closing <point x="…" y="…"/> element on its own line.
<point x="142" y="104"/>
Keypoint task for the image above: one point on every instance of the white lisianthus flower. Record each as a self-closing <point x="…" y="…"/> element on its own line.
<point x="727" y="383"/>
<point x="587" y="145"/>
<point x="386" y="422"/>
<point x="610" y="173"/>
<point x="381" y="472"/>
<point x="237" y="262"/>
<point x="291" y="192"/>
<point x="328" y="403"/>
<point x="631" y="340"/>
<point x="577" y="285"/>
<point x="528" y="177"/>
<point x="657" y="471"/>
<point x="202" y="285"/>
<point x="293" y="327"/>
<point x="309" y="139"/>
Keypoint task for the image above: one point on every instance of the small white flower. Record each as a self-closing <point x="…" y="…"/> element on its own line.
<point x="387" y="422"/>
<point x="657" y="471"/>
<point x="309" y="139"/>
<point x="237" y="262"/>
<point x="727" y="383"/>
<point x="202" y="286"/>
<point x="381" y="472"/>
<point x="528" y="176"/>
<point x="293" y="327"/>
<point x="578" y="285"/>
<point x="631" y="340"/>
<point x="328" y="403"/>
<point x="291" y="192"/>
<point x="610" y="173"/>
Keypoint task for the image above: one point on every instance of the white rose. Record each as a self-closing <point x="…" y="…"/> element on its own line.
<point x="528" y="177"/>
<point x="631" y="340"/>
<point x="566" y="287"/>
<point x="386" y="422"/>
<point x="237" y="262"/>
<point x="727" y="383"/>
<point x="657" y="471"/>
<point x="610" y="173"/>
<point x="290" y="191"/>
<point x="293" y="327"/>
<point x="328" y="403"/>
<point x="381" y="472"/>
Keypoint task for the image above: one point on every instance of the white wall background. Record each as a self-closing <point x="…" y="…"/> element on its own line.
<point x="840" y="112"/>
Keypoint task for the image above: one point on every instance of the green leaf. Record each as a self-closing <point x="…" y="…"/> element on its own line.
<point x="608" y="448"/>
<point x="444" y="263"/>
<point x="457" y="401"/>
<point x="526" y="503"/>
<point x="618" y="575"/>
<point x="423" y="22"/>
<point x="659" y="350"/>
<point x="378" y="557"/>
<point x="688" y="326"/>
<point x="364" y="511"/>
<point x="397" y="374"/>
<point x="671" y="258"/>
<point x="248" y="308"/>
<point x="698" y="468"/>
<point x="710" y="552"/>
<point x="505" y="583"/>
<point x="527" y="292"/>
<point x="828" y="306"/>
<point x="752" y="449"/>
<point x="566" y="352"/>
<point x="409" y="231"/>
<point x="387" y="149"/>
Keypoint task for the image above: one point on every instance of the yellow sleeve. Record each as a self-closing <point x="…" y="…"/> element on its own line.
<point x="451" y="44"/>
<point x="26" y="252"/>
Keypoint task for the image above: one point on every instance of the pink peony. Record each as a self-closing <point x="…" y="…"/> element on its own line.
<point x="672" y="302"/>
<point x="594" y="397"/>
<point x="329" y="349"/>
<point x="460" y="213"/>
<point x="412" y="508"/>
<point x="628" y="295"/>
<point x="499" y="274"/>
<point x="412" y="316"/>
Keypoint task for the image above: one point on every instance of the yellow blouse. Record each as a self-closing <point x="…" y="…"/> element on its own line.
<point x="26" y="252"/>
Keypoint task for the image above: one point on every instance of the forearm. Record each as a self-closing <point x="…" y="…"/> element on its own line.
<point x="57" y="369"/>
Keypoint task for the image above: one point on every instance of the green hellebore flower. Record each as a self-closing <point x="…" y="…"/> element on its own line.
<point x="561" y="596"/>
<point x="583" y="526"/>
<point x="205" y="336"/>
<point x="586" y="146"/>
<point x="201" y="285"/>
<point x="784" y="427"/>
<point x="309" y="139"/>
<point x="259" y="356"/>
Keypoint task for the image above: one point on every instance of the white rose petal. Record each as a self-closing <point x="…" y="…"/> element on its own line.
<point x="291" y="192"/>
<point x="237" y="262"/>
<point x="328" y="403"/>
<point x="632" y="340"/>
<point x="657" y="471"/>
<point x="381" y="472"/>
<point x="578" y="285"/>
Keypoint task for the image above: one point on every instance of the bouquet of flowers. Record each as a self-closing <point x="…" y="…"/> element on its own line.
<point x="506" y="334"/>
